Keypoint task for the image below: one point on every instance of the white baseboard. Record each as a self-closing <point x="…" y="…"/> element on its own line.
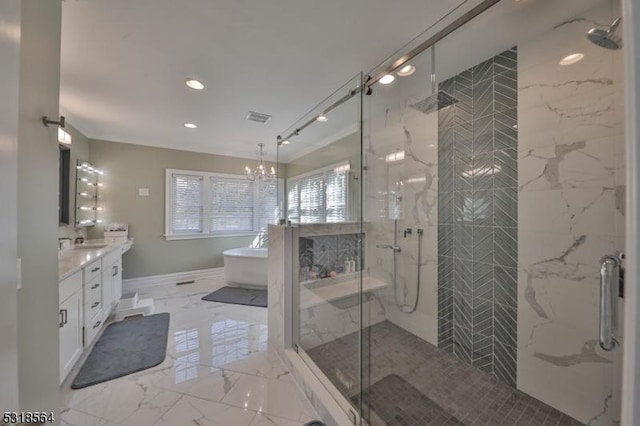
<point x="134" y="284"/>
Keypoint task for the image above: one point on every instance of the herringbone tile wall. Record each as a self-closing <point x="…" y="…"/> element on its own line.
<point x="477" y="217"/>
<point x="329" y="252"/>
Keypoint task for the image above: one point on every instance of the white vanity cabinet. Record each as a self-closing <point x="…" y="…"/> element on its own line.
<point x="89" y="292"/>
<point x="70" y="321"/>
<point x="111" y="282"/>
<point x="92" y="300"/>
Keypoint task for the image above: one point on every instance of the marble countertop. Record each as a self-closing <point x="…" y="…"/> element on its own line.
<point x="72" y="259"/>
<point x="313" y="293"/>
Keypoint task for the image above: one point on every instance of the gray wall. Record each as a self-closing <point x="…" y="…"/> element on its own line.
<point x="9" y="70"/>
<point x="79" y="151"/>
<point x="38" y="206"/>
<point x="128" y="167"/>
<point x="347" y="148"/>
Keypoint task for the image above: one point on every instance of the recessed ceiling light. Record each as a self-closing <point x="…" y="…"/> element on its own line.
<point x="286" y="143"/>
<point x="387" y="79"/>
<point x="322" y="118"/>
<point x="190" y="125"/>
<point x="406" y="70"/>
<point x="195" y="84"/>
<point x="571" y="59"/>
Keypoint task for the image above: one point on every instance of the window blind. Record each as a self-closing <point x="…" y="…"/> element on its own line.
<point x="266" y="205"/>
<point x="231" y="204"/>
<point x="312" y="199"/>
<point x="336" y="195"/>
<point x="186" y="204"/>
<point x="217" y="204"/>
<point x="293" y="205"/>
<point x="320" y="196"/>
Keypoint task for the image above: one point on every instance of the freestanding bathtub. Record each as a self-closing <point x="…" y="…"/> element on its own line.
<point x="246" y="266"/>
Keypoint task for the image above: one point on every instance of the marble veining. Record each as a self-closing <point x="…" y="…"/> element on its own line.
<point x="219" y="370"/>
<point x="587" y="354"/>
<point x="571" y="212"/>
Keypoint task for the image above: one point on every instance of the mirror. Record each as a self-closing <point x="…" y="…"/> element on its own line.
<point x="87" y="184"/>
<point x="64" y="158"/>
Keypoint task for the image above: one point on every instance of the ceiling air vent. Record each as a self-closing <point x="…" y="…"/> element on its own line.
<point x="258" y="117"/>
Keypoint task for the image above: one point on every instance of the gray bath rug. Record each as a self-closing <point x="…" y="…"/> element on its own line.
<point x="397" y="403"/>
<point x="238" y="296"/>
<point x="125" y="347"/>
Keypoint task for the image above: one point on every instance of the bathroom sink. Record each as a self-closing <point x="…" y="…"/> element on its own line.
<point x="88" y="246"/>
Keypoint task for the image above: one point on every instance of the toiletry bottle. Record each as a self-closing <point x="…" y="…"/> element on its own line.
<point x="352" y="263"/>
<point x="347" y="266"/>
<point x="357" y="264"/>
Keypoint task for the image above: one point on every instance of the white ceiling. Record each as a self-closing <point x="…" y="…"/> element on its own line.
<point x="124" y="63"/>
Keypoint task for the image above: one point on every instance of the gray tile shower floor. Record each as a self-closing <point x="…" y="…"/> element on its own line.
<point x="427" y="377"/>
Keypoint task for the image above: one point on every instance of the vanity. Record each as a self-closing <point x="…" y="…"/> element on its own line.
<point x="90" y="277"/>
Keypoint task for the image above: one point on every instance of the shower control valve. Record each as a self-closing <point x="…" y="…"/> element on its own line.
<point x="407" y="231"/>
<point x="420" y="231"/>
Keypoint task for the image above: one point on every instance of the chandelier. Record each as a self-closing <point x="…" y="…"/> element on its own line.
<point x="260" y="171"/>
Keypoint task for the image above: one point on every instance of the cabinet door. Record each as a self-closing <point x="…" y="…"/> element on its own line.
<point x="107" y="297"/>
<point x="116" y="281"/>
<point x="70" y="321"/>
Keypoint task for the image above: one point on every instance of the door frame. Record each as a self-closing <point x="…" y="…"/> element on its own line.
<point x="10" y="27"/>
<point x="631" y="352"/>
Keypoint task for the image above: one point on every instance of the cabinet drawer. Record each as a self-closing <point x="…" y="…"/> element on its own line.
<point x="93" y="291"/>
<point x="93" y="304"/>
<point x="69" y="285"/>
<point x="92" y="328"/>
<point x="92" y="270"/>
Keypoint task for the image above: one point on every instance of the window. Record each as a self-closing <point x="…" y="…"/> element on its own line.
<point x="200" y="204"/>
<point x="319" y="196"/>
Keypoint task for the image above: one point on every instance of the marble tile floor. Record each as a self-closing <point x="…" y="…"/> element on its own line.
<point x="464" y="394"/>
<point x="219" y="370"/>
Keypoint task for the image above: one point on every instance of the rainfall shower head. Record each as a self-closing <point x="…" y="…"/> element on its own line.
<point x="609" y="39"/>
<point x="435" y="102"/>
<point x="439" y="99"/>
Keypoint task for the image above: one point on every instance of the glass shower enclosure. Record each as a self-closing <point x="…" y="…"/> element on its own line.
<point x="453" y="214"/>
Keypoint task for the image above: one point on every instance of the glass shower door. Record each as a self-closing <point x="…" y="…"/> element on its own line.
<point x="503" y="185"/>
<point x="321" y="159"/>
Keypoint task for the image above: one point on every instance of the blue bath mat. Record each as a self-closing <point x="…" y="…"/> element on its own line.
<point x="239" y="296"/>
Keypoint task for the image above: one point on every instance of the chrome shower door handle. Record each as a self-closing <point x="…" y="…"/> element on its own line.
<point x="609" y="288"/>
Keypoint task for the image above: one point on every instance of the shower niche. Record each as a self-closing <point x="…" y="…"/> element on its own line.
<point x="329" y="256"/>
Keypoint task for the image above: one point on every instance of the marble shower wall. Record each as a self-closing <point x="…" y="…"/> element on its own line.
<point x="477" y="216"/>
<point x="570" y="213"/>
<point x="404" y="191"/>
<point x="321" y="318"/>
